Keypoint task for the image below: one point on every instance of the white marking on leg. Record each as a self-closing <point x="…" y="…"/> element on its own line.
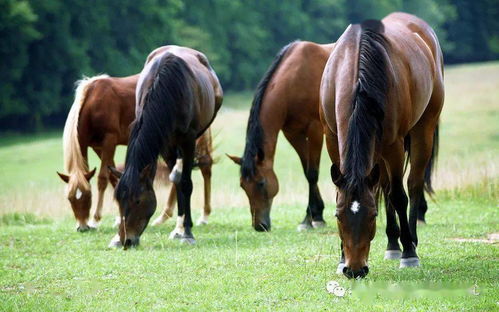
<point x="115" y="242"/>
<point x="179" y="228"/>
<point x="176" y="173"/>
<point x="355" y="207"/>
<point x="203" y="220"/>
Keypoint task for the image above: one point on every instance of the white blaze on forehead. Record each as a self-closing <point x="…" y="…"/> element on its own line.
<point x="355" y="207"/>
<point x="78" y="193"/>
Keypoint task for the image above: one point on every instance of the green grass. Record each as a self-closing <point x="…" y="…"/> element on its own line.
<point x="45" y="265"/>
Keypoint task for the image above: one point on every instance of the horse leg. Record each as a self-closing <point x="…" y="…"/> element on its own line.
<point x="205" y="168"/>
<point x="309" y="153"/>
<point x="392" y="229"/>
<point x="168" y="211"/>
<point x="421" y="151"/>
<point x="107" y="159"/>
<point x="394" y="161"/>
<point x="184" y="192"/>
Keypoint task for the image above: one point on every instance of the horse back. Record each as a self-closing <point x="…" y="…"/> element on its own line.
<point x="109" y="108"/>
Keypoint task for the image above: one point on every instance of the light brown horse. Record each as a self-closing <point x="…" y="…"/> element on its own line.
<point x="177" y="97"/>
<point x="382" y="89"/>
<point x="100" y="118"/>
<point x="287" y="99"/>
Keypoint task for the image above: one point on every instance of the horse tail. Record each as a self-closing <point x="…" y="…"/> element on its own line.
<point x="431" y="164"/>
<point x="74" y="162"/>
<point x="254" y="130"/>
<point x="366" y="121"/>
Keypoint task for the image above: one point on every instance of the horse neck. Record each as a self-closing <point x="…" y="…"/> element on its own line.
<point x="272" y="123"/>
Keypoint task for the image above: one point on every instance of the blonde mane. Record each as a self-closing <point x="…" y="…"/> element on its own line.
<point x="74" y="163"/>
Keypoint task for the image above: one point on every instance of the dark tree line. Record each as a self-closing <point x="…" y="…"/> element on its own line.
<point x="45" y="46"/>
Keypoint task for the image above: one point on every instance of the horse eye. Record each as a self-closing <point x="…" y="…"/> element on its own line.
<point x="261" y="183"/>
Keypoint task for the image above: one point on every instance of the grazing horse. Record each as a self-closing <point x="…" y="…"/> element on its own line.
<point x="177" y="97"/>
<point x="382" y="88"/>
<point x="287" y="99"/>
<point x="100" y="118"/>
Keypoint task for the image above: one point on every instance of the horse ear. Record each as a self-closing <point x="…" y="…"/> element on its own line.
<point x="336" y="175"/>
<point x="373" y="177"/>
<point x="90" y="174"/>
<point x="235" y="159"/>
<point x="115" y="172"/>
<point x="63" y="177"/>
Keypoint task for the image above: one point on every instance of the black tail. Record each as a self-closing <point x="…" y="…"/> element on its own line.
<point x="366" y="121"/>
<point x="164" y="105"/>
<point x="431" y="165"/>
<point x="254" y="130"/>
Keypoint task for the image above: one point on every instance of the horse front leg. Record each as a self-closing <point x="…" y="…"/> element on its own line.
<point x="183" y="229"/>
<point x="170" y="205"/>
<point x="205" y="168"/>
<point x="107" y="159"/>
<point x="394" y="160"/>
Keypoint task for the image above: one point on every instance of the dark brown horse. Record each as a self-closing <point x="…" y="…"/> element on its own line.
<point x="382" y="89"/>
<point x="177" y="97"/>
<point x="287" y="99"/>
<point x="100" y="118"/>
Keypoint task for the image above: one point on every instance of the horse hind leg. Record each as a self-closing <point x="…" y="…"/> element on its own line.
<point x="170" y="205"/>
<point x="308" y="147"/>
<point x="205" y="168"/>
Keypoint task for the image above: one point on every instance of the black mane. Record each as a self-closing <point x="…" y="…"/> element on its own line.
<point x="254" y="131"/>
<point x="366" y="121"/>
<point x="154" y="126"/>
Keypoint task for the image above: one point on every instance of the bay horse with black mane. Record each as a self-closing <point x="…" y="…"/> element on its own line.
<point x="177" y="97"/>
<point x="382" y="92"/>
<point x="100" y="118"/>
<point x="287" y="99"/>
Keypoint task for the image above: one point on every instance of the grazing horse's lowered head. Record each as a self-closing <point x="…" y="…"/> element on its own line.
<point x="261" y="185"/>
<point x="356" y="213"/>
<point x="137" y="203"/>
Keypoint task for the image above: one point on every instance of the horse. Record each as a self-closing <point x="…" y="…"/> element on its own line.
<point x="382" y="92"/>
<point x="103" y="109"/>
<point x="99" y="118"/>
<point x="178" y="96"/>
<point x="287" y="99"/>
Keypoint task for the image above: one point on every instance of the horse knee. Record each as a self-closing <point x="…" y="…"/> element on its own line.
<point x="102" y="182"/>
<point x="312" y="176"/>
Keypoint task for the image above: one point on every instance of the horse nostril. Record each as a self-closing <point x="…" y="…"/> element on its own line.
<point x="348" y="272"/>
<point x="366" y="270"/>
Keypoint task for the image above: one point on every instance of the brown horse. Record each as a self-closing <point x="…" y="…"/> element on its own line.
<point x="287" y="99"/>
<point x="100" y="118"/>
<point x="177" y="97"/>
<point x="382" y="89"/>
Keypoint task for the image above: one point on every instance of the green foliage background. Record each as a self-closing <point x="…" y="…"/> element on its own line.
<point x="47" y="45"/>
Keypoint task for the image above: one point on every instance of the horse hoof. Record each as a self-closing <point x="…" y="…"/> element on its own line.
<point x="94" y="224"/>
<point x="339" y="269"/>
<point x="202" y="221"/>
<point x="159" y="220"/>
<point x="421" y="222"/>
<point x="393" y="254"/>
<point x="318" y="224"/>
<point x="302" y="227"/>
<point x="84" y="228"/>
<point x="188" y="240"/>
<point x="175" y="235"/>
<point x="115" y="242"/>
<point x="409" y="262"/>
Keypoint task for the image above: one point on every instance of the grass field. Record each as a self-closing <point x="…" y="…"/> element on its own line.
<point x="45" y="265"/>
